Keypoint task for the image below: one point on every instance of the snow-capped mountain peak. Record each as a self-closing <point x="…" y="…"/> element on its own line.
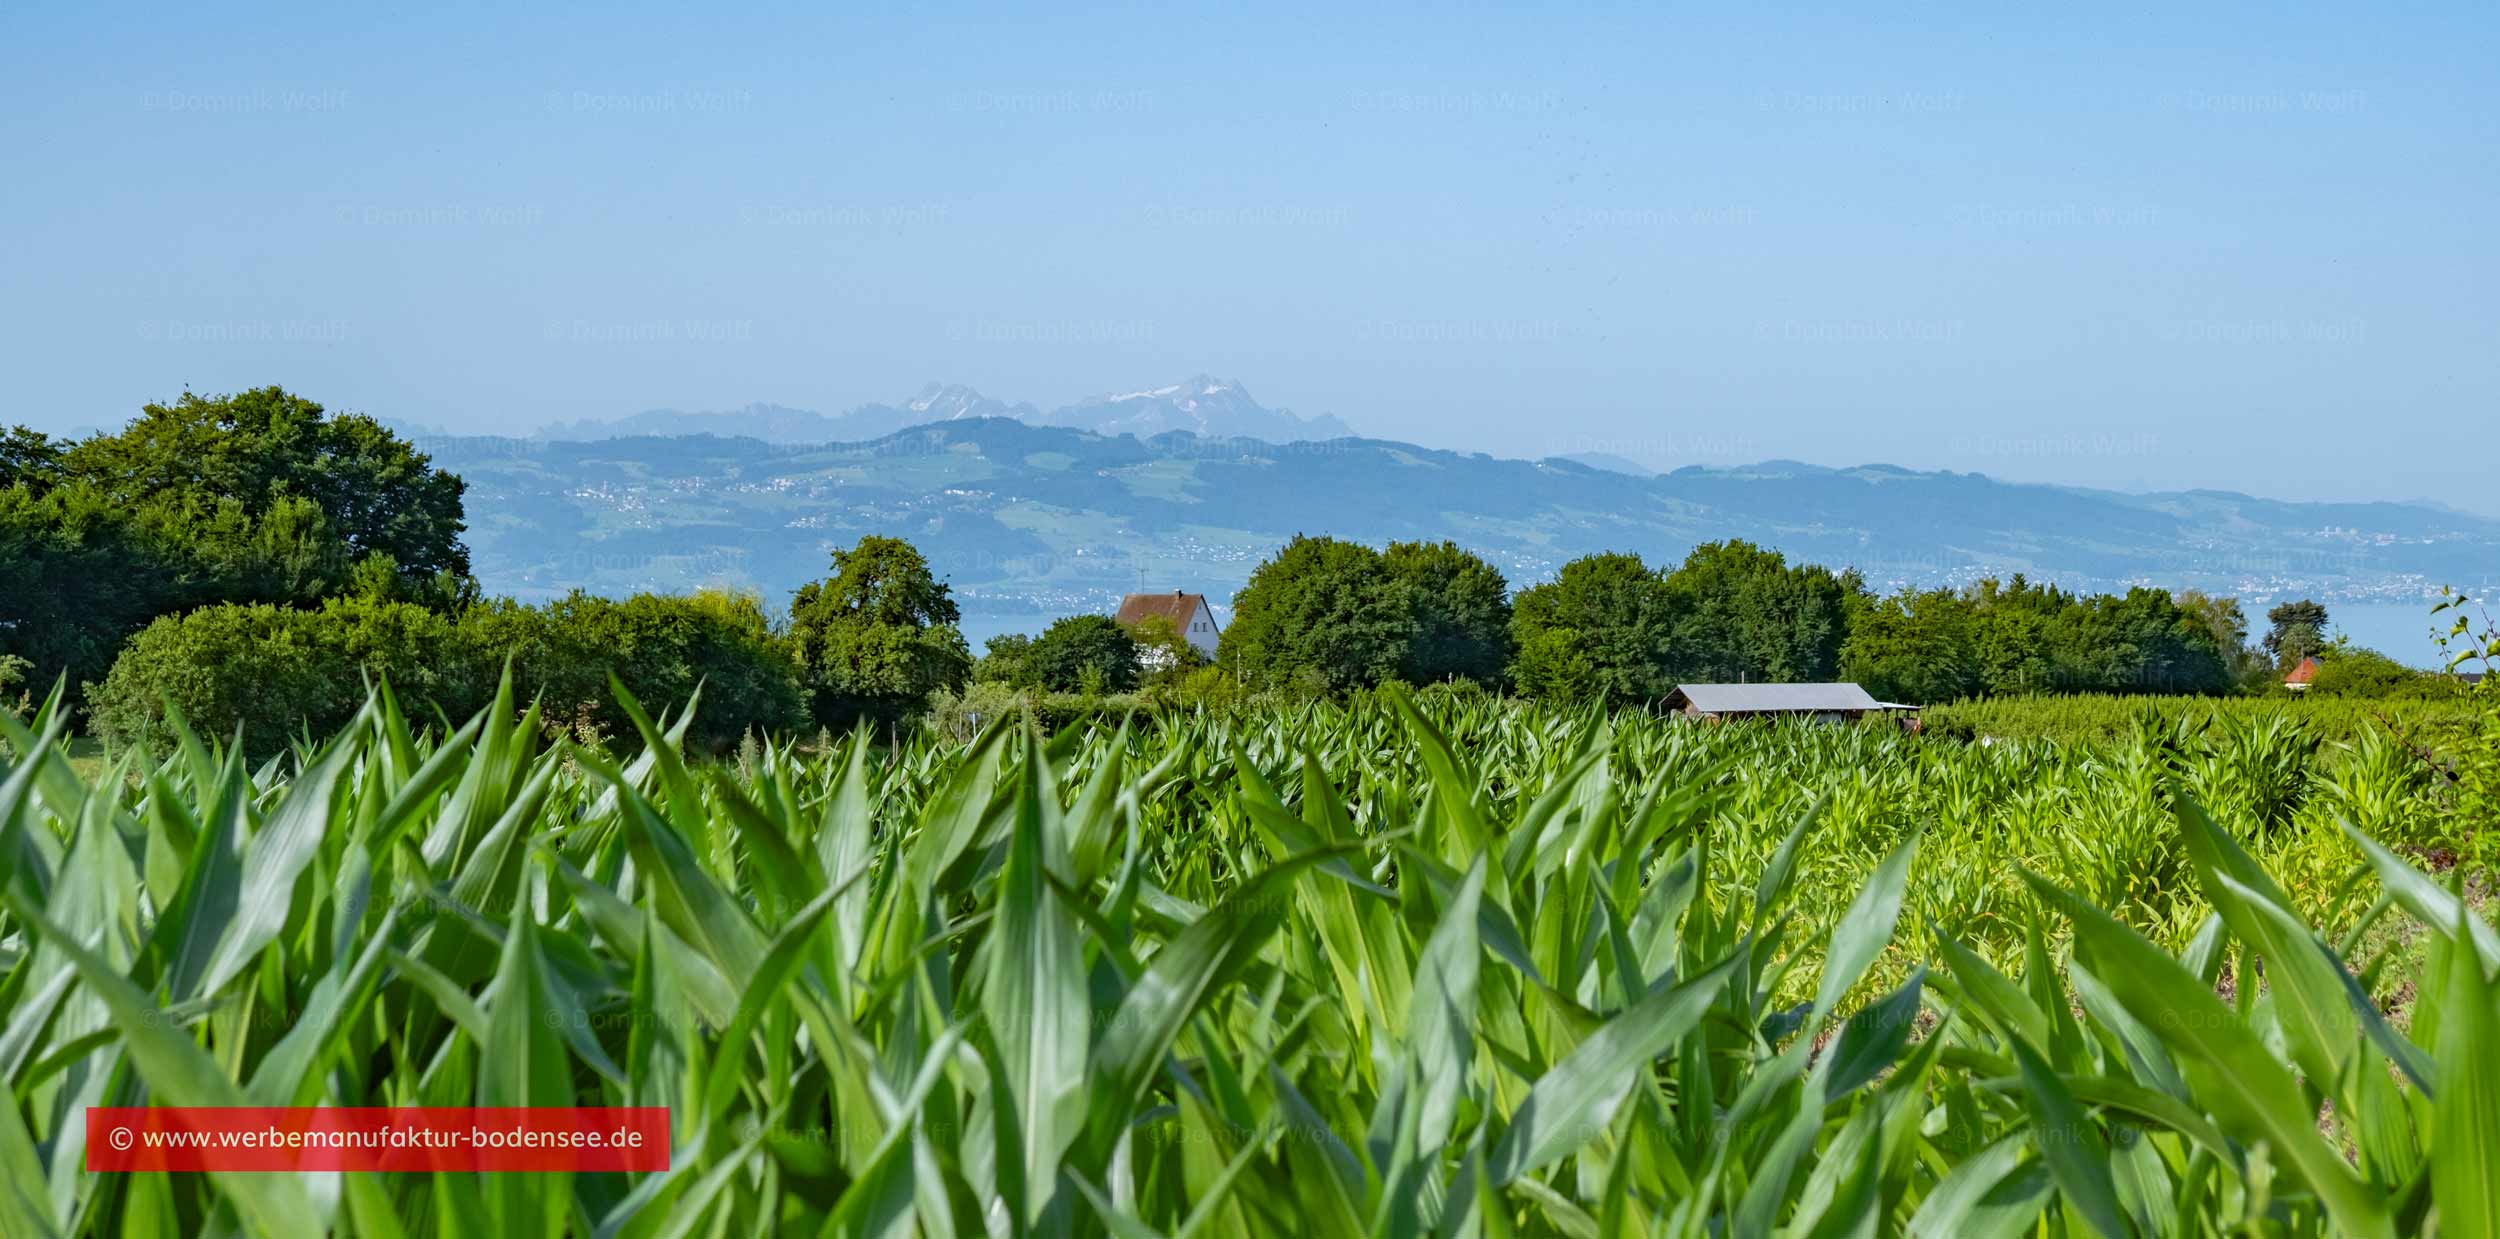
<point x="947" y="401"/>
<point x="1203" y="405"/>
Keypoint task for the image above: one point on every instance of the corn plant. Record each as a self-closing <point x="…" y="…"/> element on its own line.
<point x="1395" y="968"/>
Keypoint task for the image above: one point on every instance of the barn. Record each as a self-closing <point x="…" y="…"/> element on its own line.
<point x="1830" y="703"/>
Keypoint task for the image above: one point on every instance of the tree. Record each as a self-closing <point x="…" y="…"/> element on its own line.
<point x="1322" y="613"/>
<point x="1461" y="612"/>
<point x="1006" y="659"/>
<point x="1598" y="631"/>
<point x="1084" y="653"/>
<point x="661" y="647"/>
<point x="2368" y="673"/>
<point x="261" y="447"/>
<point x="29" y="458"/>
<point x="2142" y="641"/>
<point x="1917" y="647"/>
<point x="253" y="498"/>
<point x="2294" y="631"/>
<point x="1164" y="653"/>
<point x="1744" y="614"/>
<point x="2221" y="616"/>
<point x="269" y="673"/>
<point x="878" y="637"/>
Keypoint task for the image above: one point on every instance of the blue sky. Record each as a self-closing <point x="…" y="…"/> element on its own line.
<point x="2241" y="247"/>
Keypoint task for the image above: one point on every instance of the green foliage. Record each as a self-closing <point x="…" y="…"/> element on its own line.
<point x="663" y="647"/>
<point x="1321" y="614"/>
<point x="1461" y="610"/>
<point x="2294" y="631"/>
<point x="1744" y="614"/>
<point x="878" y="638"/>
<point x="253" y="498"/>
<point x="1600" y="631"/>
<point x="1450" y="965"/>
<point x="1164" y="654"/>
<point x="261" y="447"/>
<point x="29" y="457"/>
<point x="271" y="672"/>
<point x="1084" y="652"/>
<point x="1006" y="659"/>
<point x="2368" y="673"/>
<point x="2011" y="638"/>
<point x="2472" y="645"/>
<point x="13" y="687"/>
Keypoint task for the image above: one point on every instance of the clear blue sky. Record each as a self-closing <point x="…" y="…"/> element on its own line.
<point x="2243" y="247"/>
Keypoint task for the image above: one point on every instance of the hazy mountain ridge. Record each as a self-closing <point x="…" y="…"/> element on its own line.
<point x="1028" y="517"/>
<point x="1203" y="405"/>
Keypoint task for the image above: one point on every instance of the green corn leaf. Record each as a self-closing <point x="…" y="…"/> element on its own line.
<point x="1866" y="928"/>
<point x="1571" y="1104"/>
<point x="2465" y="1119"/>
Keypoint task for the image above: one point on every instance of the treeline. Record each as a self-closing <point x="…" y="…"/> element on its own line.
<point x="1325" y="615"/>
<point x="249" y="561"/>
<point x="253" y="498"/>
<point x="870" y="644"/>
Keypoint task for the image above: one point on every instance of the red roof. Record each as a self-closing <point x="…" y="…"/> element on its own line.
<point x="2301" y="674"/>
<point x="1176" y="606"/>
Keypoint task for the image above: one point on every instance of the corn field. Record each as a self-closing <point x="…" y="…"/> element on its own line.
<point x="1404" y="967"/>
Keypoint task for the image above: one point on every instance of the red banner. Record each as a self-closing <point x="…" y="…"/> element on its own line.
<point x="383" y="1138"/>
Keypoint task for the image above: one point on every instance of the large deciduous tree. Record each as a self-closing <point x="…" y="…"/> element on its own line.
<point x="1461" y="608"/>
<point x="2294" y="631"/>
<point x="1599" y="631"/>
<point x="1745" y="614"/>
<point x="255" y="498"/>
<point x="879" y="636"/>
<point x="260" y="448"/>
<point x="1322" y="614"/>
<point x="1084" y="652"/>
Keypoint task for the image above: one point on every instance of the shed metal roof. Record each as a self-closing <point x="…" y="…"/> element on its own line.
<point x="1772" y="698"/>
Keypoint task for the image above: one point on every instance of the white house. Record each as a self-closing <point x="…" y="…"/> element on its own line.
<point x="1188" y="613"/>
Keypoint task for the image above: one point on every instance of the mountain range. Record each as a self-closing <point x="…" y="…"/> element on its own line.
<point x="1029" y="518"/>
<point x="1204" y="406"/>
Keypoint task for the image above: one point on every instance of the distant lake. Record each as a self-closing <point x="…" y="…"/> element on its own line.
<point x="978" y="629"/>
<point x="2400" y="630"/>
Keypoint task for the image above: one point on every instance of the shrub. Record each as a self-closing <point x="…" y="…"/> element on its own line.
<point x="960" y="715"/>
<point x="13" y="688"/>
<point x="272" y="671"/>
<point x="660" y="646"/>
<point x="268" y="673"/>
<point x="2368" y="673"/>
<point x="1063" y="656"/>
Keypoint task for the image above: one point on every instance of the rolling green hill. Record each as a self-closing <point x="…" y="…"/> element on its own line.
<point x="1026" y="518"/>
